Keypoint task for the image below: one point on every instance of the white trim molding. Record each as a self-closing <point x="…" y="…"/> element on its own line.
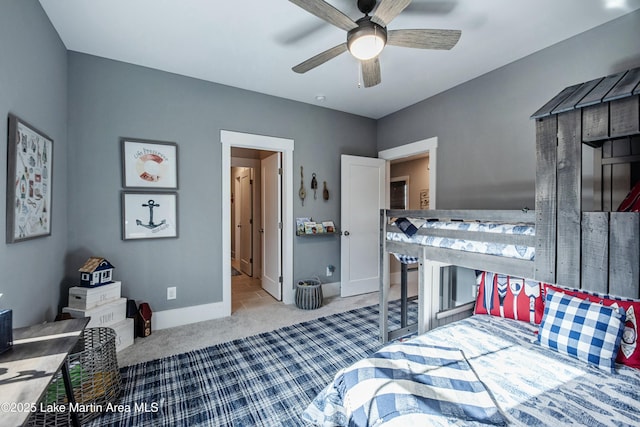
<point x="183" y="316"/>
<point x="258" y="142"/>
<point x="429" y="145"/>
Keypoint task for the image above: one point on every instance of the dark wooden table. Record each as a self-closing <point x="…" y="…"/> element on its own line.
<point x="26" y="370"/>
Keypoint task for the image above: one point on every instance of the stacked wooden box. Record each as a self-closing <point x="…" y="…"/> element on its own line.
<point x="106" y="308"/>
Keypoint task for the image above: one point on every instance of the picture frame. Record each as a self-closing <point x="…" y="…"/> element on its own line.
<point x="149" y="164"/>
<point x="29" y="182"/>
<point x="149" y="215"/>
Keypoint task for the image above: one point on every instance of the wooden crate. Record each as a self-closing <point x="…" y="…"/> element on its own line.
<point x="103" y="315"/>
<point x="124" y="333"/>
<point x="83" y="298"/>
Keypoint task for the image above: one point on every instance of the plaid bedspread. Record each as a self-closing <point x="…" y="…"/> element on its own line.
<point x="406" y="384"/>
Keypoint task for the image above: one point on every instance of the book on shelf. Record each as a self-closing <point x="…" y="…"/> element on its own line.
<point x="310" y="227"/>
<point x="300" y="225"/>
<point x="328" y="226"/>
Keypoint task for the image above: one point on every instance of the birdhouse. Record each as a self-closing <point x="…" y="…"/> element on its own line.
<point x="96" y="271"/>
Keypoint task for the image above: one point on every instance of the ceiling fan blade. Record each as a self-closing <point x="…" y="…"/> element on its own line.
<point x="387" y="10"/>
<point x="324" y="10"/>
<point x="320" y="58"/>
<point x="371" y="72"/>
<point x="424" y="39"/>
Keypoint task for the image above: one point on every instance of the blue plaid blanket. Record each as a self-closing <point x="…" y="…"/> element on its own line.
<point x="406" y="384"/>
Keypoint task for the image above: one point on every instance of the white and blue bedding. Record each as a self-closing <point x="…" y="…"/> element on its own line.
<point x="410" y="226"/>
<point x="526" y="384"/>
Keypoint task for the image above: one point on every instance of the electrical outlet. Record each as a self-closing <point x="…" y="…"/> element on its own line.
<point x="330" y="270"/>
<point x="171" y="292"/>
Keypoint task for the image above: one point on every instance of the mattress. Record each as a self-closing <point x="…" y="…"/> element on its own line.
<point x="531" y="385"/>
<point x="475" y="246"/>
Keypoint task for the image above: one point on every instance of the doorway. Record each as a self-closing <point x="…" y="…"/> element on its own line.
<point x="253" y="144"/>
<point x="411" y="181"/>
<point x="408" y="189"/>
<point x="363" y="177"/>
<point x="256" y="215"/>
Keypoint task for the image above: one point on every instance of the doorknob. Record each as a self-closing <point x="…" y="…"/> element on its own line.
<point x="239" y="225"/>
<point x="346" y="233"/>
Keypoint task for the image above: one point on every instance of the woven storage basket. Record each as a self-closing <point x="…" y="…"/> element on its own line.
<point x="95" y="377"/>
<point x="309" y="294"/>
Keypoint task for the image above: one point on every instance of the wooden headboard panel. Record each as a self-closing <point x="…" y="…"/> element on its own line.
<point x="598" y="250"/>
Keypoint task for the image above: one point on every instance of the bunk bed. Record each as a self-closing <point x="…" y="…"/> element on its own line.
<point x="498" y="240"/>
<point x="595" y="250"/>
<point x="508" y="376"/>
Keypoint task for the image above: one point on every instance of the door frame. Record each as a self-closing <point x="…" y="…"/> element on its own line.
<point x="285" y="146"/>
<point x="430" y="146"/>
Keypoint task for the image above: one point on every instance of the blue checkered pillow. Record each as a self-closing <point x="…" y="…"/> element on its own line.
<point x="588" y="331"/>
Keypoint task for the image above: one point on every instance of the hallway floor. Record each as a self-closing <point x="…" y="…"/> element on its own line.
<point x="247" y="293"/>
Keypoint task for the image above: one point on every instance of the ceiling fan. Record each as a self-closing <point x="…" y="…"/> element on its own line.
<point x="367" y="36"/>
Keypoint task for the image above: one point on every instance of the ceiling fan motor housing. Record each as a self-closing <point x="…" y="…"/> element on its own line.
<point x="366" y="28"/>
<point x="366" y="6"/>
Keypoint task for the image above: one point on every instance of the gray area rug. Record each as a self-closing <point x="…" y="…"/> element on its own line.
<point x="264" y="380"/>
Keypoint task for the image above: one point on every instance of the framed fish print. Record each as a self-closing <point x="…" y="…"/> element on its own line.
<point x="149" y="164"/>
<point x="149" y="215"/>
<point x="29" y="187"/>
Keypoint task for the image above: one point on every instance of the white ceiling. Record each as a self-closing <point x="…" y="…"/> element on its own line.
<point x="253" y="44"/>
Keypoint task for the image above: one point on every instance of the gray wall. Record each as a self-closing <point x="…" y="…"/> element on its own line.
<point x="486" y="141"/>
<point x="109" y="100"/>
<point x="33" y="86"/>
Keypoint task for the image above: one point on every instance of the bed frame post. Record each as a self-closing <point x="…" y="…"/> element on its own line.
<point x="384" y="280"/>
<point x="546" y="185"/>
<point x="430" y="275"/>
<point x="569" y="198"/>
<point x="424" y="277"/>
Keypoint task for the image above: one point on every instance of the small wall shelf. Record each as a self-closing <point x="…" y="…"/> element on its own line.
<point x="333" y="233"/>
<point x="309" y="227"/>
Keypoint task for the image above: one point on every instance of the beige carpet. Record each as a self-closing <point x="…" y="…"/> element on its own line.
<point x="242" y="323"/>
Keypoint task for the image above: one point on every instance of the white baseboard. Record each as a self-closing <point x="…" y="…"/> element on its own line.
<point x="187" y="315"/>
<point x="199" y="313"/>
<point x="331" y="289"/>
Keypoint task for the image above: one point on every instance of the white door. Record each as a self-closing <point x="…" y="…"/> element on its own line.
<point x="246" y="222"/>
<point x="363" y="195"/>
<point x="271" y="226"/>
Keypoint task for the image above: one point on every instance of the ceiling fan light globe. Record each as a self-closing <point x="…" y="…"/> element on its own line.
<point x="367" y="40"/>
<point x="366" y="46"/>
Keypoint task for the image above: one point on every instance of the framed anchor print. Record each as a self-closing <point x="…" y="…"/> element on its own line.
<point x="149" y="164"/>
<point x="149" y="215"/>
<point x="29" y="173"/>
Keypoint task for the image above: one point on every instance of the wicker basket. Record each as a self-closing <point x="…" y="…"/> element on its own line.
<point x="309" y="294"/>
<point x="95" y="377"/>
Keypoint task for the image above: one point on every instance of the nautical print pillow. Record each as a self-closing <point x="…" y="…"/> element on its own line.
<point x="629" y="353"/>
<point x="509" y="297"/>
<point x="587" y="331"/>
